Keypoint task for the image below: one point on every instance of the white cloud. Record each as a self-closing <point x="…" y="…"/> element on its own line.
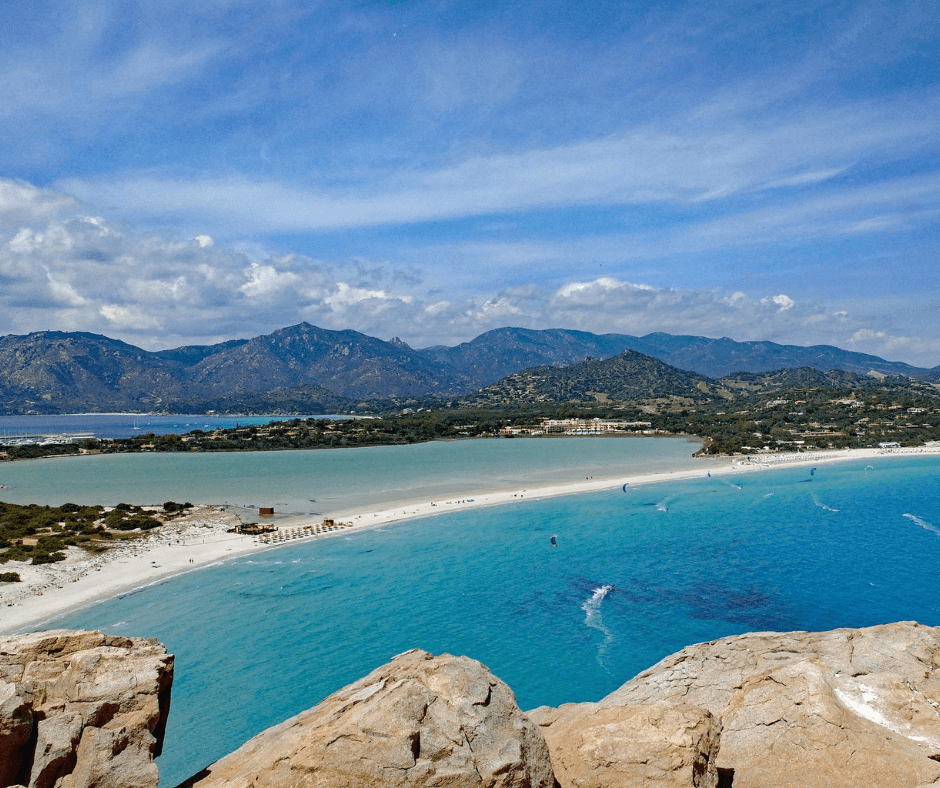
<point x="584" y="292"/>
<point x="23" y="203"/>
<point x="264" y="280"/>
<point x="345" y="296"/>
<point x="783" y="302"/>
<point x="121" y="317"/>
<point x="667" y="162"/>
<point x="882" y="343"/>
<point x="64" y="292"/>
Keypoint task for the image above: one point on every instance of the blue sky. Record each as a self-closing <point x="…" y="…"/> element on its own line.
<point x="178" y="173"/>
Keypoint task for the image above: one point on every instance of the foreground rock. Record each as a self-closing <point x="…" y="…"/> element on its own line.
<point x="837" y="709"/>
<point x="417" y="721"/>
<point x="82" y="709"/>
<point x="667" y="745"/>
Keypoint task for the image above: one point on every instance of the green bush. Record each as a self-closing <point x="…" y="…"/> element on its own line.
<point x="47" y="558"/>
<point x="173" y="506"/>
<point x="47" y="544"/>
<point x="116" y="521"/>
<point x="10" y="577"/>
<point x="16" y="553"/>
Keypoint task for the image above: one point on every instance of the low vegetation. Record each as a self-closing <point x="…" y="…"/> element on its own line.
<point x="40" y="534"/>
<point x="798" y="409"/>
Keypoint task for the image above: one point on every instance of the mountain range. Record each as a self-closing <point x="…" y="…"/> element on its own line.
<point x="306" y="369"/>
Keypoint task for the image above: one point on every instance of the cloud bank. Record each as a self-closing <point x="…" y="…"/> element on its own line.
<point x="65" y="269"/>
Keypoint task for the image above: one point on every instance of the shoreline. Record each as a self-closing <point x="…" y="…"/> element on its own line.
<point x="200" y="539"/>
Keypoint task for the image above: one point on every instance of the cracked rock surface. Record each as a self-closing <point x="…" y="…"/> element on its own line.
<point x="418" y="720"/>
<point x="846" y="708"/>
<point x="82" y="709"/>
<point x="661" y="745"/>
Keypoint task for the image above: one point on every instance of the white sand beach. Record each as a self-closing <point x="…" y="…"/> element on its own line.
<point x="202" y="538"/>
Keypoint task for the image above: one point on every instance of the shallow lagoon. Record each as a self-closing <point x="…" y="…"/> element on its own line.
<point x="331" y="480"/>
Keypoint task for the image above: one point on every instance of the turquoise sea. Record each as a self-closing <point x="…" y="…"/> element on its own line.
<point x="636" y="576"/>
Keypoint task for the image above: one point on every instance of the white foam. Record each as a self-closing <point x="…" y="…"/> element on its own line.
<point x="922" y="523"/>
<point x="592" y="618"/>
<point x="823" y="506"/>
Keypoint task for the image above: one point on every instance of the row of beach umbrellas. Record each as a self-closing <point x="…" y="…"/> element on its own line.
<point x="300" y="532"/>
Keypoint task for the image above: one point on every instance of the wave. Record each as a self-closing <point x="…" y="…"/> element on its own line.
<point x="593" y="619"/>
<point x="732" y="484"/>
<point x="823" y="506"/>
<point x="922" y="523"/>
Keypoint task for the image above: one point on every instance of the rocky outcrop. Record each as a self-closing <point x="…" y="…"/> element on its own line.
<point x="419" y="720"/>
<point x="82" y="709"/>
<point x="838" y="709"/>
<point x="661" y="745"/>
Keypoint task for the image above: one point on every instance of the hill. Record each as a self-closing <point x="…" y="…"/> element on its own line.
<point x="627" y="377"/>
<point x="495" y="354"/>
<point x="306" y="369"/>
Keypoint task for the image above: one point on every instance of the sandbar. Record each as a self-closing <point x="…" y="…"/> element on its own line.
<point x="202" y="538"/>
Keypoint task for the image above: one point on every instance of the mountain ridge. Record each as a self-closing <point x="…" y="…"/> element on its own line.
<point x="330" y="371"/>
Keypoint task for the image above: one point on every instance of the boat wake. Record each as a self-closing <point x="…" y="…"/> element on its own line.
<point x="823" y="506"/>
<point x="593" y="619"/>
<point x="922" y="523"/>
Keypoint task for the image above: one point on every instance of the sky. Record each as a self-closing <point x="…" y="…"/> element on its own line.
<point x="185" y="173"/>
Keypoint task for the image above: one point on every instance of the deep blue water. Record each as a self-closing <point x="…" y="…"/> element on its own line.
<point x="635" y="577"/>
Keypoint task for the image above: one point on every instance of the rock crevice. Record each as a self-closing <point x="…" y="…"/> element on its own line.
<point x="82" y="710"/>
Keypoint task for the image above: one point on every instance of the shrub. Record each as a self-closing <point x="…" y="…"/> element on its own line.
<point x="47" y="544"/>
<point x="10" y="577"/>
<point x="141" y="521"/>
<point x="16" y="553"/>
<point x="47" y="558"/>
<point x="173" y="506"/>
